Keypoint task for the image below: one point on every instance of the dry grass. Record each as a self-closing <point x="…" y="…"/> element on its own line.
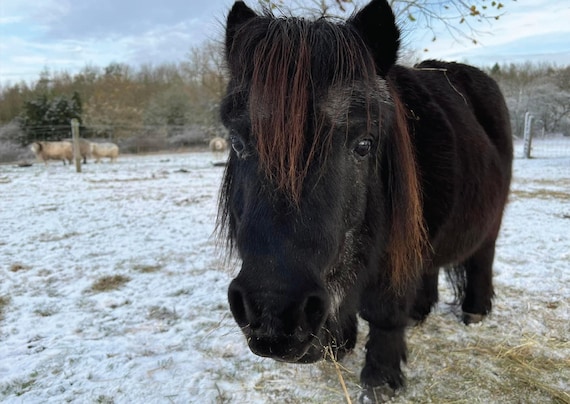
<point x="108" y="283"/>
<point x="146" y="269"/>
<point x="546" y="182"/>
<point x="526" y="365"/>
<point x="134" y="179"/>
<point x="4" y="303"/>
<point x="540" y="194"/>
<point x="511" y="372"/>
<point x="487" y="363"/>
<point x="337" y="367"/>
<point x="19" y="386"/>
<point x="495" y="362"/>
<point x="17" y="267"/>
<point x="162" y="314"/>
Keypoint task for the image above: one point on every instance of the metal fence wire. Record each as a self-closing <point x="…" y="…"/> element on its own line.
<point x="536" y="144"/>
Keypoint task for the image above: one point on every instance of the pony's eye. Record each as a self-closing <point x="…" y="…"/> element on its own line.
<point x="363" y="147"/>
<point x="237" y="144"/>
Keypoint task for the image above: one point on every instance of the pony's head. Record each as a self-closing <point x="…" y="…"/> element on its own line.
<point x="320" y="161"/>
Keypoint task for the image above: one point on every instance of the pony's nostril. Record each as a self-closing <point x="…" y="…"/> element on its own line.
<point x="315" y="309"/>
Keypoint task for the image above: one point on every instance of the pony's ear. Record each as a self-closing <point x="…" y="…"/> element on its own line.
<point x="377" y="26"/>
<point x="239" y="14"/>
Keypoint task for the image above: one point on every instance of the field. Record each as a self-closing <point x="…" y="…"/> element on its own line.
<point x="113" y="290"/>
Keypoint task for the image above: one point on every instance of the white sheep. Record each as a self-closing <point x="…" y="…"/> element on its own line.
<point x="100" y="150"/>
<point x="218" y="145"/>
<point x="53" y="151"/>
<point x="84" y="148"/>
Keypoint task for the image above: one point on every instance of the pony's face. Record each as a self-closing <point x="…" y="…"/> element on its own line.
<point x="306" y="144"/>
<point x="300" y="257"/>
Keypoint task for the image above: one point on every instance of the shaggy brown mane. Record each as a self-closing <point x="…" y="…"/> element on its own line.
<point x="408" y="243"/>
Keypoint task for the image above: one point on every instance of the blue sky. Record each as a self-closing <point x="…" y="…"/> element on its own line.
<point x="71" y="34"/>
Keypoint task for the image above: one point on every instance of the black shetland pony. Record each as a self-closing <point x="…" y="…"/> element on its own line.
<point x="351" y="181"/>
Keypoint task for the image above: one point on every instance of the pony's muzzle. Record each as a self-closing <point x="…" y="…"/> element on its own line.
<point x="283" y="326"/>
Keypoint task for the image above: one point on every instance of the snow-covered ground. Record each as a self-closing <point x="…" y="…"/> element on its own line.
<point x="165" y="334"/>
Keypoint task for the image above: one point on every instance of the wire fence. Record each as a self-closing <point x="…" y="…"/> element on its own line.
<point x="148" y="138"/>
<point x="544" y="147"/>
<point x="15" y="142"/>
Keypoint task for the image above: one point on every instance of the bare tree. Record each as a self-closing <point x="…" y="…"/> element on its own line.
<point x="460" y="18"/>
<point x="206" y="82"/>
<point x="541" y="89"/>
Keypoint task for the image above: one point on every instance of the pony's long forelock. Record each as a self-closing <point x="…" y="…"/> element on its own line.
<point x="290" y="59"/>
<point x="278" y="102"/>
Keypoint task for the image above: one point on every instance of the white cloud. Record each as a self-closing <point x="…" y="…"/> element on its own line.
<point x="10" y="19"/>
<point x="49" y="12"/>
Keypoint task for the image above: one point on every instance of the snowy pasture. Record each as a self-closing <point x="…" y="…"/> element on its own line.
<point x="113" y="290"/>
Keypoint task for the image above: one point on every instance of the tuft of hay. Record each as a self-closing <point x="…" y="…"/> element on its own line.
<point x="527" y="367"/>
<point x="505" y="369"/>
<point x="329" y="353"/>
<point x="107" y="283"/>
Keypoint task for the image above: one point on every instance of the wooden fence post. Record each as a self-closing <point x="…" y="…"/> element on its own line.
<point x="527" y="134"/>
<point x="75" y="142"/>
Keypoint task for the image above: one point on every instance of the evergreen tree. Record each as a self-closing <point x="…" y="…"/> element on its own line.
<point x="49" y="119"/>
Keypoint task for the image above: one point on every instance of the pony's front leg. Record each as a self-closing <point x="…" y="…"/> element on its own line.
<point x="387" y="316"/>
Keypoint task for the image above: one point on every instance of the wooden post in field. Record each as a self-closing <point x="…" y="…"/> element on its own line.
<point x="75" y="142"/>
<point x="527" y="134"/>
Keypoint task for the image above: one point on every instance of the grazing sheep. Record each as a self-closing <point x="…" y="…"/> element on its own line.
<point x="100" y="150"/>
<point x="53" y="151"/>
<point x="218" y="144"/>
<point x="84" y="148"/>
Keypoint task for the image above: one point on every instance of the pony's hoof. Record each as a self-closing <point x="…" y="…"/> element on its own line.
<point x="378" y="394"/>
<point x="472" y="318"/>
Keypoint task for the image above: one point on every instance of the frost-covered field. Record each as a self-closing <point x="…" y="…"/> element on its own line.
<point x="112" y="291"/>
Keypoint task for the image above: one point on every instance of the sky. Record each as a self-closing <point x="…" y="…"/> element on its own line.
<point x="67" y="35"/>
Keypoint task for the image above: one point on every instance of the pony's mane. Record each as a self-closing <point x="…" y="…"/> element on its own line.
<point x="288" y="64"/>
<point x="408" y="245"/>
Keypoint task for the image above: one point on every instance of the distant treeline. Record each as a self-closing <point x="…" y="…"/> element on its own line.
<point x="176" y="105"/>
<point x="119" y="101"/>
<point x="541" y="89"/>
